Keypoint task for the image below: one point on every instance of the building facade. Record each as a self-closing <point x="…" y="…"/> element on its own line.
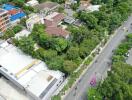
<point x="34" y="19"/>
<point x="30" y="75"/>
<point x="4" y="21"/>
<point x="15" y="13"/>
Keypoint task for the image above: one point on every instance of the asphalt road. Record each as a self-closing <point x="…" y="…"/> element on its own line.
<point x="79" y="92"/>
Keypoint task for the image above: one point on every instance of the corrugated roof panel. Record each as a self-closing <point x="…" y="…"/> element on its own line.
<point x="17" y="16"/>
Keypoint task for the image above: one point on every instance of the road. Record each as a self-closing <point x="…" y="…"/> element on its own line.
<point x="79" y="91"/>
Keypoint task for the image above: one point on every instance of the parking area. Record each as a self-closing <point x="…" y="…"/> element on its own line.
<point x="129" y="59"/>
<point x="9" y="91"/>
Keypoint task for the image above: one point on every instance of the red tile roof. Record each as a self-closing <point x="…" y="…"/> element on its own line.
<point x="54" y="19"/>
<point x="58" y="18"/>
<point x="14" y="11"/>
<point x="57" y="31"/>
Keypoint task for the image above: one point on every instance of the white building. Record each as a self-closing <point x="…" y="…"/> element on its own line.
<point x="22" y="33"/>
<point x="92" y="8"/>
<point x="30" y="75"/>
<point x="34" y="19"/>
<point x="32" y="3"/>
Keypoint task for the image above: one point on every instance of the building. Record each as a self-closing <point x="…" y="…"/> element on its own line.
<point x="57" y="31"/>
<point x="68" y="3"/>
<point x="22" y="34"/>
<point x="53" y="19"/>
<point x="32" y="3"/>
<point x="53" y="22"/>
<point x="4" y="20"/>
<point x="47" y="8"/>
<point x="30" y="75"/>
<point x="15" y="12"/>
<point x="92" y="8"/>
<point x="69" y="20"/>
<point x="34" y="19"/>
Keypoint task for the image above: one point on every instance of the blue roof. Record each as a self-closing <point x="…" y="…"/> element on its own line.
<point x="17" y="16"/>
<point x="8" y="7"/>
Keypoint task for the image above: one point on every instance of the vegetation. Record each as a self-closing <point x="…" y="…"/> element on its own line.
<point x="82" y="39"/>
<point x="61" y="9"/>
<point x="11" y="32"/>
<point x="117" y="86"/>
<point x="111" y="14"/>
<point x="66" y="55"/>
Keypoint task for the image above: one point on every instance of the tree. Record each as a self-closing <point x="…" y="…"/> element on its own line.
<point x="78" y="34"/>
<point x="8" y="34"/>
<point x="59" y="1"/>
<point x="73" y="53"/>
<point x="69" y="66"/>
<point x="56" y="97"/>
<point x="46" y="55"/>
<point x="89" y="19"/>
<point x="74" y="6"/>
<point x="26" y="44"/>
<point x="61" y="9"/>
<point x="23" y="21"/>
<point x="59" y="44"/>
<point x="17" y="28"/>
<point x="56" y="63"/>
<point x="115" y="21"/>
<point x="96" y="2"/>
<point x="87" y="46"/>
<point x="93" y="94"/>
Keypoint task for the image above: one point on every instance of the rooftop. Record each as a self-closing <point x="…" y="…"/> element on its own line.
<point x="54" y="18"/>
<point x="57" y="31"/>
<point x="9" y="7"/>
<point x="46" y="5"/>
<point x="2" y="11"/>
<point x="32" y="3"/>
<point x="33" y="16"/>
<point x="69" y="20"/>
<point x="22" y="33"/>
<point x="31" y="73"/>
<point x="92" y="8"/>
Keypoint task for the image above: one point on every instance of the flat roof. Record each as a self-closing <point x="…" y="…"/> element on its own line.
<point x="32" y="74"/>
<point x="33" y="16"/>
<point x="92" y="8"/>
<point x="22" y="33"/>
<point x="47" y="4"/>
<point x="51" y="16"/>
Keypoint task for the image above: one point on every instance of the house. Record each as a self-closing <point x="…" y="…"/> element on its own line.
<point x="4" y="21"/>
<point x="52" y="23"/>
<point x="47" y="8"/>
<point x="83" y="5"/>
<point x="53" y="19"/>
<point x="68" y="3"/>
<point x="30" y="75"/>
<point x="32" y="3"/>
<point x="57" y="31"/>
<point x="92" y="8"/>
<point x="34" y="19"/>
<point x="69" y="20"/>
<point x="15" y="12"/>
<point x="22" y="33"/>
<point x="78" y="22"/>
